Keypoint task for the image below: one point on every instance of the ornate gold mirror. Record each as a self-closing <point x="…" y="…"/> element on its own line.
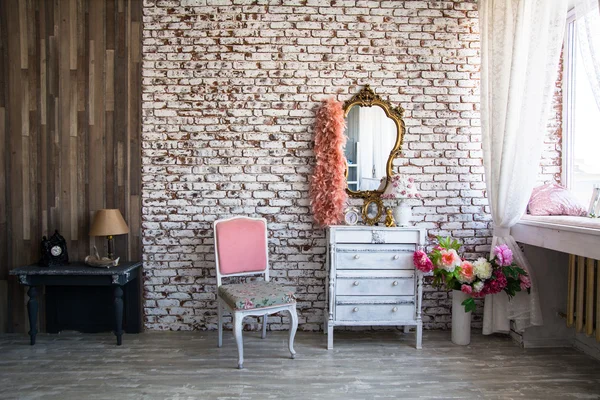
<point x="374" y="133"/>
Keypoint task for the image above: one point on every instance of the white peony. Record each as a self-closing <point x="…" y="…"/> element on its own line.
<point x="478" y="286"/>
<point x="483" y="269"/>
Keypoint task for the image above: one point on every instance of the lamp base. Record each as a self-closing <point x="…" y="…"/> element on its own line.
<point x="111" y="254"/>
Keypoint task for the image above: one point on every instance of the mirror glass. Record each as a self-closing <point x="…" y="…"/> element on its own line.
<point x="371" y="136"/>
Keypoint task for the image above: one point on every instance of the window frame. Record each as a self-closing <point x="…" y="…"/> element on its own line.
<point x="568" y="100"/>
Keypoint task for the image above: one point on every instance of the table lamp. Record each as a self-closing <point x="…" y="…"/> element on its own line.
<point x="109" y="223"/>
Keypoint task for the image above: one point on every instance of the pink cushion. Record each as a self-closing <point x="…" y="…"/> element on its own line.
<point x="552" y="199"/>
<point x="241" y="246"/>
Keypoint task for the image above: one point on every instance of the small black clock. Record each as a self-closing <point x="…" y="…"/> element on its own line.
<point x="54" y="251"/>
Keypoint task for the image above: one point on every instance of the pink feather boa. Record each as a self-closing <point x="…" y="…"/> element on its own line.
<point x="328" y="184"/>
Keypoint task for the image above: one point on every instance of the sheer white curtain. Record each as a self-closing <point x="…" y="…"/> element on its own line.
<point x="520" y="48"/>
<point x="587" y="13"/>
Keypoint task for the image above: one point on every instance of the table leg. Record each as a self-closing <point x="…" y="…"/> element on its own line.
<point x="32" y="310"/>
<point x="119" y="313"/>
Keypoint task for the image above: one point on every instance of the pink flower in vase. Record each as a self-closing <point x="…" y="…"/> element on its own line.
<point x="496" y="285"/>
<point x="467" y="289"/>
<point x="467" y="272"/>
<point x="449" y="260"/>
<point x="504" y="255"/>
<point x="422" y="262"/>
<point x="525" y="282"/>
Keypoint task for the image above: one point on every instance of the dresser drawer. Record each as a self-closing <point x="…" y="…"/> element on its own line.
<point x="375" y="312"/>
<point x="374" y="257"/>
<point x="399" y="286"/>
<point x="378" y="235"/>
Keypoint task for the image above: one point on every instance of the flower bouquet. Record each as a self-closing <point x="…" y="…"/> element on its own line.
<point x="476" y="279"/>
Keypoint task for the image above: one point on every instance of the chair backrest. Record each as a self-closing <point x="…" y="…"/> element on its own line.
<point x="241" y="247"/>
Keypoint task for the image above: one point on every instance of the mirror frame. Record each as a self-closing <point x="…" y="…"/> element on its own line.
<point x="368" y="98"/>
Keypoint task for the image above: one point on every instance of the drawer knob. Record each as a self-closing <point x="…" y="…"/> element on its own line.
<point x="396" y="257"/>
<point x="356" y="256"/>
<point x="356" y="283"/>
<point x="394" y="309"/>
<point x="395" y="283"/>
<point x="355" y="309"/>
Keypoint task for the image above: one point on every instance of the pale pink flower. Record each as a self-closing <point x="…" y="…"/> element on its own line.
<point x="449" y="259"/>
<point x="248" y="304"/>
<point x="504" y="255"/>
<point x="467" y="272"/>
<point x="466" y="289"/>
<point x="525" y="282"/>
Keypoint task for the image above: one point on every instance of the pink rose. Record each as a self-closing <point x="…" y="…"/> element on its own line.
<point x="525" y="282"/>
<point x="466" y="289"/>
<point x="422" y="262"/>
<point x="504" y="255"/>
<point x="467" y="272"/>
<point x="411" y="179"/>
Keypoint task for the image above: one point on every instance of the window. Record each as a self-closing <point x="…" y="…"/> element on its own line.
<point x="581" y="133"/>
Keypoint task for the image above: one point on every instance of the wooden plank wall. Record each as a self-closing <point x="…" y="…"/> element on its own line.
<point x="69" y="128"/>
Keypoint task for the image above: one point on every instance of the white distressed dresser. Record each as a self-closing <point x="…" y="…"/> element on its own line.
<point x="372" y="279"/>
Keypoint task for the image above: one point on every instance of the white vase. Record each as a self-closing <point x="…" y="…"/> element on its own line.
<point x="461" y="320"/>
<point x="402" y="214"/>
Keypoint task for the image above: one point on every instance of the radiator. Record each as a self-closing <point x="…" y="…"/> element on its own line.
<point x="583" y="302"/>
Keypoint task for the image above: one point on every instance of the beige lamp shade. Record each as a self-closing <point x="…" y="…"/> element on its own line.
<point x="108" y="223"/>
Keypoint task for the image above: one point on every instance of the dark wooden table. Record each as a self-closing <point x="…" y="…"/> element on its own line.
<point x="80" y="274"/>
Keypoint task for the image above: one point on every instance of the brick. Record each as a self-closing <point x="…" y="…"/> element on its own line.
<point x="229" y="93"/>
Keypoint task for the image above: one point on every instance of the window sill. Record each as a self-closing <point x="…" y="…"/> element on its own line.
<point x="572" y="235"/>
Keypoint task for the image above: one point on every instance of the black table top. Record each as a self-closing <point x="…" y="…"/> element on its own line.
<point x="76" y="268"/>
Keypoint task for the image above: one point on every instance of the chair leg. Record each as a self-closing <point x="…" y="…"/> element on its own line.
<point x="237" y="333"/>
<point x="293" y="328"/>
<point x="220" y="323"/>
<point x="264" y="326"/>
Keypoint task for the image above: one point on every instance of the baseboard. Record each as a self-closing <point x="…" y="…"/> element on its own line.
<point x="592" y="348"/>
<point x="3" y="306"/>
<point x="546" y="342"/>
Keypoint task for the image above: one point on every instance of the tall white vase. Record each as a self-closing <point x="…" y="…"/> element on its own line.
<point x="402" y="214"/>
<point x="461" y="320"/>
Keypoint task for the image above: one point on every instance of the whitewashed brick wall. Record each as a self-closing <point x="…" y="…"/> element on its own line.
<point x="230" y="88"/>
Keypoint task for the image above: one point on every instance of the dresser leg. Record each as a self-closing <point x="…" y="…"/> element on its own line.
<point x="419" y="334"/>
<point x="329" y="337"/>
<point x="118" y="313"/>
<point x="32" y="310"/>
<point x="406" y="329"/>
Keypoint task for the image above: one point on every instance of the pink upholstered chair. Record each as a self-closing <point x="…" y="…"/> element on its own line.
<point x="241" y="250"/>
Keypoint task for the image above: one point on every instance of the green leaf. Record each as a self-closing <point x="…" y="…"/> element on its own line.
<point x="469" y="304"/>
<point x="521" y="271"/>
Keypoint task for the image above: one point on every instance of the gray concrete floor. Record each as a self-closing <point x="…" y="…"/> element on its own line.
<point x="363" y="365"/>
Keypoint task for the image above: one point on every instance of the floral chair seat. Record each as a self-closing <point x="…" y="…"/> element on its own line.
<point x="259" y="294"/>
